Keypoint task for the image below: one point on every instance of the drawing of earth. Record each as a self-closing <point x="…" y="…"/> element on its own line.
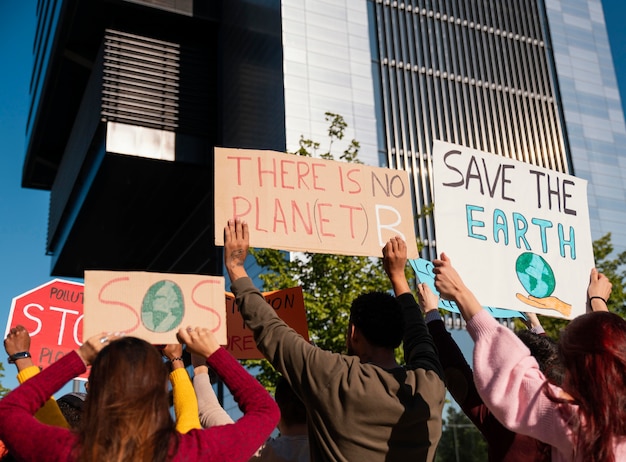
<point x="163" y="307"/>
<point x="535" y="274"/>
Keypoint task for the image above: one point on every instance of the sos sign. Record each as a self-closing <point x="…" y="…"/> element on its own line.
<point x="52" y="313"/>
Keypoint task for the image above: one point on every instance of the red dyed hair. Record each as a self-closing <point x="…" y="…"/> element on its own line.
<point x="593" y="351"/>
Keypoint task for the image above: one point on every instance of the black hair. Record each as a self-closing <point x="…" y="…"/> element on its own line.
<point x="546" y="352"/>
<point x="292" y="409"/>
<point x="378" y="315"/>
<point x="71" y="406"/>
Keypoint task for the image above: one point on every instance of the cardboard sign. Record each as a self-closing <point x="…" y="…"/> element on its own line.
<point x="424" y="274"/>
<point x="52" y="314"/>
<point x="289" y="306"/>
<point x="153" y="306"/>
<point x="517" y="234"/>
<point x="306" y="204"/>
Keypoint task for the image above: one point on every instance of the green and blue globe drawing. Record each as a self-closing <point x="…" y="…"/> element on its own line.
<point x="163" y="306"/>
<point x="535" y="274"/>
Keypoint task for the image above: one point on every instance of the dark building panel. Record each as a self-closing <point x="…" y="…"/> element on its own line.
<point x="129" y="100"/>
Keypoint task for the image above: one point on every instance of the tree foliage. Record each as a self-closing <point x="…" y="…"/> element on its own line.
<point x="460" y="440"/>
<point x="329" y="282"/>
<point x="3" y="390"/>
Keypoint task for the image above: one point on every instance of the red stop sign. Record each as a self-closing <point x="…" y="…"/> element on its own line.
<point x="52" y="313"/>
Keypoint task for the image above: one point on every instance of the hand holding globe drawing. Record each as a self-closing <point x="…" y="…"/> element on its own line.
<point x="537" y="277"/>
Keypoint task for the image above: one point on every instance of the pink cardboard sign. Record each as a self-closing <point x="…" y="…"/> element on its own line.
<point x="153" y="306"/>
<point x="308" y="204"/>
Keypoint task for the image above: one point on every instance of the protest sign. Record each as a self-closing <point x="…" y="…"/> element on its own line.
<point x="518" y="234"/>
<point x="52" y="313"/>
<point x="289" y="306"/>
<point x="424" y="274"/>
<point x="307" y="204"/>
<point x="153" y="306"/>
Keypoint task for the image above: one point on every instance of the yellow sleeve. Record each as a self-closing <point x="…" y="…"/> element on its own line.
<point x="49" y="413"/>
<point x="185" y="402"/>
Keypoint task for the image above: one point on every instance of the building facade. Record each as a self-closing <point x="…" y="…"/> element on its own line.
<point x="128" y="99"/>
<point x="531" y="80"/>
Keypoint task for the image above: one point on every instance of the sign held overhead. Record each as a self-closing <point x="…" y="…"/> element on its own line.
<point x="312" y="205"/>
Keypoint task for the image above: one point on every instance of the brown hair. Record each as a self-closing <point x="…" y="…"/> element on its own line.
<point x="126" y="414"/>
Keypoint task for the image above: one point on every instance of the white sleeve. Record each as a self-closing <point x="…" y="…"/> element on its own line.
<point x="209" y="409"/>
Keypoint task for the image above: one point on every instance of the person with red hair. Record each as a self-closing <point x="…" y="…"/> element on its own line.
<point x="585" y="418"/>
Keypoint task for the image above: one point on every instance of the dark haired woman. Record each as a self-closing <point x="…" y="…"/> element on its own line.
<point x="126" y="415"/>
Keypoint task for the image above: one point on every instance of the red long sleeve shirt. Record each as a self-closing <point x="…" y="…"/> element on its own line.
<point x="29" y="439"/>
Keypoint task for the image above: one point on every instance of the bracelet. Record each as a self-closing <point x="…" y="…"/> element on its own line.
<point x="20" y="355"/>
<point x="598" y="297"/>
<point x="176" y="359"/>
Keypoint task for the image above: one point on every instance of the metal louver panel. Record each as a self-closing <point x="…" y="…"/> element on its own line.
<point x="141" y="81"/>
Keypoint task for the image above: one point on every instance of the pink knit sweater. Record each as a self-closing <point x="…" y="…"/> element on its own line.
<point x="511" y="385"/>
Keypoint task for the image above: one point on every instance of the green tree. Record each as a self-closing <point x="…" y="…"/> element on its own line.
<point x="612" y="266"/>
<point x="460" y="440"/>
<point x="329" y="282"/>
<point x="3" y="390"/>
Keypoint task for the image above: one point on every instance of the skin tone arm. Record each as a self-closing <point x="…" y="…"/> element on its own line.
<point x="174" y="352"/>
<point x="236" y="244"/>
<point x="599" y="286"/>
<point x="533" y="324"/>
<point x="426" y="298"/>
<point x="394" y="263"/>
<point x="199" y="340"/>
<point x="451" y="287"/>
<point x="17" y="341"/>
<point x="90" y="349"/>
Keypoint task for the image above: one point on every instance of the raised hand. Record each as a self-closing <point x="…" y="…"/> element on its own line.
<point x="394" y="263"/>
<point x="17" y="341"/>
<point x="90" y="348"/>
<point x="599" y="291"/>
<point x="451" y="287"/>
<point x="199" y="340"/>
<point x="426" y="298"/>
<point x="236" y="244"/>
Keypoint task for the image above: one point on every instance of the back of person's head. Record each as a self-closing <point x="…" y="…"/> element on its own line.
<point x="126" y="414"/>
<point x="546" y="351"/>
<point x="72" y="405"/>
<point x="378" y="315"/>
<point x="292" y="409"/>
<point x="593" y="352"/>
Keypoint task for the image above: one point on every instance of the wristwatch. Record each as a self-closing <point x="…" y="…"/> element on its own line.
<point x="19" y="355"/>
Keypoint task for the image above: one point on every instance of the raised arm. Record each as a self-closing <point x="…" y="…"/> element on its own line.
<point x="17" y="346"/>
<point x="458" y="374"/>
<point x="288" y="351"/>
<point x="236" y="245"/>
<point x="419" y="348"/>
<point x="185" y="402"/>
<point x="599" y="291"/>
<point x="241" y="439"/>
<point x="451" y="287"/>
<point x="209" y="408"/>
<point x="21" y="432"/>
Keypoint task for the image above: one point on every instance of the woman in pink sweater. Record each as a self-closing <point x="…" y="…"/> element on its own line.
<point x="126" y="414"/>
<point x="585" y="420"/>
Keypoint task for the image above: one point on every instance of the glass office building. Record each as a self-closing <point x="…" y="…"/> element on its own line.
<point x="531" y="80"/>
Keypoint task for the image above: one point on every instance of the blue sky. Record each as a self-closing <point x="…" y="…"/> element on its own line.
<point x="24" y="212"/>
